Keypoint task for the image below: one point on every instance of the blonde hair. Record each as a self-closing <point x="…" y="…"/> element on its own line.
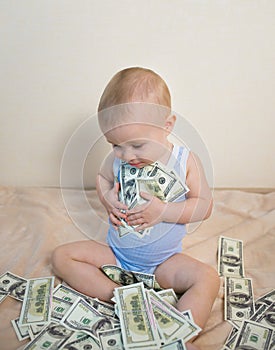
<point x="135" y="84"/>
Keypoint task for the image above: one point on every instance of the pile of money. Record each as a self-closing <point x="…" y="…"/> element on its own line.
<point x="155" y="179"/>
<point x="60" y="317"/>
<point x="253" y="321"/>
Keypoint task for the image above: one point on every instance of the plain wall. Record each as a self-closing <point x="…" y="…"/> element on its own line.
<point x="217" y="57"/>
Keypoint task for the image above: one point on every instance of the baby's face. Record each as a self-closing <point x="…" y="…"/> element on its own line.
<point x="139" y="144"/>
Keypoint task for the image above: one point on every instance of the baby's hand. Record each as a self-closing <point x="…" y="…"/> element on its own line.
<point x="115" y="208"/>
<point x="147" y="214"/>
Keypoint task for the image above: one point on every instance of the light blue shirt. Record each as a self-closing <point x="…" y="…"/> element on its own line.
<point x="164" y="240"/>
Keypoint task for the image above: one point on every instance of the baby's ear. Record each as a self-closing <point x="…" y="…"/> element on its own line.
<point x="170" y="122"/>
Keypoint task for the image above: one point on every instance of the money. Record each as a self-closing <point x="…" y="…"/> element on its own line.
<point x="239" y="302"/>
<point x="51" y="337"/>
<point x="70" y="295"/>
<point x="137" y="324"/>
<point x="36" y="308"/>
<point x="82" y="342"/>
<point x="169" y="296"/>
<point x="124" y="277"/>
<point x="111" y="339"/>
<point x="59" y="308"/>
<point x="77" y="321"/>
<point x="22" y="332"/>
<point x="266" y="299"/>
<point x="172" y="324"/>
<point x="253" y="335"/>
<point x="176" y="345"/>
<point x="230" y="257"/>
<point x="13" y="285"/>
<point x="3" y="296"/>
<point x="253" y="322"/>
<point x="82" y="316"/>
<point x="155" y="179"/>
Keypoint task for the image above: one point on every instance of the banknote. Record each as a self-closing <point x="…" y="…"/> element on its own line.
<point x="137" y="324"/>
<point x="3" y="296"/>
<point x="111" y="339"/>
<point x="22" y="332"/>
<point x="155" y="179"/>
<point x="267" y="317"/>
<point x="82" y="316"/>
<point x="13" y="284"/>
<point x="59" y="308"/>
<point x="230" y="257"/>
<point x="82" y="342"/>
<point x="36" y="307"/>
<point x="52" y="337"/>
<point x="175" y="345"/>
<point x="253" y="335"/>
<point x="172" y="324"/>
<point x="125" y="277"/>
<point x="239" y="302"/>
<point x="169" y="296"/>
<point x="266" y="299"/>
<point x="69" y="294"/>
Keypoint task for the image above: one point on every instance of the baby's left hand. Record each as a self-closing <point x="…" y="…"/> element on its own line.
<point x="147" y="214"/>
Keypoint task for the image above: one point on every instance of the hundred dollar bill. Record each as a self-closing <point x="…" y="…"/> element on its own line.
<point x="253" y="335"/>
<point x="169" y="296"/>
<point x="82" y="316"/>
<point x="3" y="296"/>
<point x="239" y="302"/>
<point x="267" y="318"/>
<point x="266" y="299"/>
<point x="13" y="285"/>
<point x="59" y="308"/>
<point x="231" y="339"/>
<point x="51" y="337"/>
<point x="125" y="277"/>
<point x="35" y="329"/>
<point x="84" y="342"/>
<point x="111" y="339"/>
<point x="36" y="308"/>
<point x="230" y="257"/>
<point x="137" y="323"/>
<point x="118" y="274"/>
<point x="69" y="294"/>
<point x="175" y="345"/>
<point x="22" y="332"/>
<point x="172" y="324"/>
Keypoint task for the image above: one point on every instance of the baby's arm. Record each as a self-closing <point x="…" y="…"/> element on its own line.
<point x="196" y="207"/>
<point x="108" y="191"/>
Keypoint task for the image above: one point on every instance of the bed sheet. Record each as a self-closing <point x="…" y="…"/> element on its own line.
<point x="33" y="221"/>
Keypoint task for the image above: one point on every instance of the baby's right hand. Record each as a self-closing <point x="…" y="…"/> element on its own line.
<point x="115" y="208"/>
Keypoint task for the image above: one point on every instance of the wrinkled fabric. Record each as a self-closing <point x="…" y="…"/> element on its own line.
<point x="33" y="221"/>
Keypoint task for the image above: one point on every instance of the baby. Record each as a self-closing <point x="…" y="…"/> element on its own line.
<point x="135" y="117"/>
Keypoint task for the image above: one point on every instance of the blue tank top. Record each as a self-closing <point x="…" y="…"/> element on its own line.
<point x="164" y="240"/>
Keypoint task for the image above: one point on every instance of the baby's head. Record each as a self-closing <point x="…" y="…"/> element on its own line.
<point x="135" y="105"/>
<point x="135" y="85"/>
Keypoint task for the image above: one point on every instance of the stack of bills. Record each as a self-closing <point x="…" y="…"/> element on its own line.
<point x="253" y="321"/>
<point x="155" y="179"/>
<point x="142" y="317"/>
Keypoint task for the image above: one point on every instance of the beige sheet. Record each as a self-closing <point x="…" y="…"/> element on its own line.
<point x="33" y="221"/>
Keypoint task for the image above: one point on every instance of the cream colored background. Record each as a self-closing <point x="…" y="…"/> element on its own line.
<point x="216" y="56"/>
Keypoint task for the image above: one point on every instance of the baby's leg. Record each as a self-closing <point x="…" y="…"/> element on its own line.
<point x="197" y="282"/>
<point x="78" y="264"/>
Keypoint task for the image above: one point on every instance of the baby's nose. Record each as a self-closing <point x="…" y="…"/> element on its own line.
<point x="128" y="155"/>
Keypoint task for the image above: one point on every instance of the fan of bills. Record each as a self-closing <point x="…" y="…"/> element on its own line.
<point x="253" y="321"/>
<point x="155" y="179"/>
<point x="143" y="315"/>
